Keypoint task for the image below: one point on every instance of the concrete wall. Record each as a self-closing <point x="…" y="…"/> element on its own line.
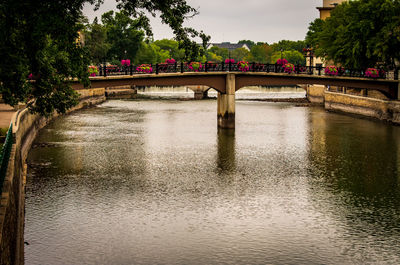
<point x="374" y="105"/>
<point x="12" y="210"/>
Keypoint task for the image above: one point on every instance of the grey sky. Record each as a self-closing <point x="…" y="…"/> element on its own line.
<point x="233" y="20"/>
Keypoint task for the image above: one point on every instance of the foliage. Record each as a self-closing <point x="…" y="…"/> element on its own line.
<point x="260" y="53"/>
<point x="249" y="43"/>
<point x="151" y="53"/>
<point x="288" y="45"/>
<point x="172" y="47"/>
<point x="295" y="57"/>
<point x="222" y="52"/>
<point x="39" y="37"/>
<point x="239" y="54"/>
<point x="96" y="42"/>
<point x="359" y="34"/>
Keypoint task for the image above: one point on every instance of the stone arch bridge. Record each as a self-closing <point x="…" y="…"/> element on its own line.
<point x="227" y="83"/>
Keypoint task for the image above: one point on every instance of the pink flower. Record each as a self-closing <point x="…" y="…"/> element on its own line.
<point x="123" y="62"/>
<point x="30" y="76"/>
<point x="227" y="61"/>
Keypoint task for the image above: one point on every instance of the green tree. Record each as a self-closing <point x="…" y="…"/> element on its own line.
<point x="249" y="43"/>
<point x="294" y="57"/>
<point x="239" y="54"/>
<point x="172" y="46"/>
<point x="124" y="34"/>
<point x="359" y="34"/>
<point x="39" y="37"/>
<point x="260" y="53"/>
<point x="96" y="42"/>
<point x="222" y="52"/>
<point x="151" y="53"/>
<point x="287" y="45"/>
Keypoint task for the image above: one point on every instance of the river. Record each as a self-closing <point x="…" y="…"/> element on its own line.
<point x="155" y="182"/>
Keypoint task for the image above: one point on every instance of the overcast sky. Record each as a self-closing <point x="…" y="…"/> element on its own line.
<point x="234" y="20"/>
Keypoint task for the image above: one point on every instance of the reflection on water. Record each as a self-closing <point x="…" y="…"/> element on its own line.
<point x="155" y="182"/>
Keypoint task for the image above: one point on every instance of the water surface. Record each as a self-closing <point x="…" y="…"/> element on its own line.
<point x="155" y="182"/>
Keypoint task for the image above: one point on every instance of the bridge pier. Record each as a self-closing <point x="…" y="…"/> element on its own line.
<point x="226" y="104"/>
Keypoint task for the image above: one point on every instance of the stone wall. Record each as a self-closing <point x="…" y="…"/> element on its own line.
<point x="371" y="104"/>
<point x="12" y="210"/>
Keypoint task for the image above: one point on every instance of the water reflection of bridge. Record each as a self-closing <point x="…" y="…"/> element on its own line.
<point x="227" y="83"/>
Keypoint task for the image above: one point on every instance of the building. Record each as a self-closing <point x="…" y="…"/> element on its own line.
<point x="229" y="46"/>
<point x="324" y="13"/>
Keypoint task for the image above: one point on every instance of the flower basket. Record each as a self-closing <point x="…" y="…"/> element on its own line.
<point x="227" y="61"/>
<point x="331" y="70"/>
<point x="144" y="68"/>
<point x="281" y="62"/>
<point x="289" y="68"/>
<point x="93" y="70"/>
<point x="372" y="72"/>
<point x="126" y="62"/>
<point x="170" y="61"/>
<point x="195" y="66"/>
<point x="243" y="66"/>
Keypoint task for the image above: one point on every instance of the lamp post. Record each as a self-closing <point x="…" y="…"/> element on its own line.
<point x="281" y="53"/>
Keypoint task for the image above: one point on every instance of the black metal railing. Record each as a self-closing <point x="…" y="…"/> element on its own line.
<point x="183" y="67"/>
<point x="5" y="156"/>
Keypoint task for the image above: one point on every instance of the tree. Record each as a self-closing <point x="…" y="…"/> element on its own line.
<point x="39" y="37"/>
<point x="249" y="43"/>
<point x="172" y="46"/>
<point x="287" y="45"/>
<point x="124" y="34"/>
<point x="151" y="53"/>
<point x="96" y="42"/>
<point x="260" y="53"/>
<point x="239" y="54"/>
<point x="359" y="34"/>
<point x="294" y="57"/>
<point x="222" y="52"/>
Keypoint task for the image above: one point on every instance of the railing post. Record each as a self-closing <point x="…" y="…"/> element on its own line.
<point x="105" y="70"/>
<point x="222" y="66"/>
<point x="254" y="66"/>
<point x="267" y="65"/>
<point x="131" y="69"/>
<point x="181" y="67"/>
<point x="276" y="68"/>
<point x="230" y="66"/>
<point x="205" y="67"/>
<point x="396" y="74"/>
<point x="319" y="70"/>
<point x="156" y="68"/>
<point x="175" y="67"/>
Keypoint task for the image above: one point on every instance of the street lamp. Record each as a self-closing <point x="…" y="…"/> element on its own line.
<point x="281" y="53"/>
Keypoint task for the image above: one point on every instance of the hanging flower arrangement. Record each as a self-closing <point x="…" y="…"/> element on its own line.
<point x="195" y="66"/>
<point x="281" y="62"/>
<point x="289" y="68"/>
<point x="243" y="66"/>
<point x="144" y="68"/>
<point x="93" y="71"/>
<point x="170" y="61"/>
<point x="331" y="70"/>
<point x="126" y="62"/>
<point x="227" y="61"/>
<point x="372" y="72"/>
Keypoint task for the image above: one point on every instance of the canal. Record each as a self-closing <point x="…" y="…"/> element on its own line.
<point x="155" y="182"/>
